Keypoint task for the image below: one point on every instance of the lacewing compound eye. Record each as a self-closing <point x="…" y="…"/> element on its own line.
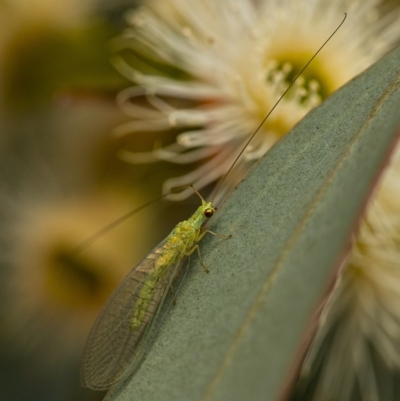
<point x="208" y="213"/>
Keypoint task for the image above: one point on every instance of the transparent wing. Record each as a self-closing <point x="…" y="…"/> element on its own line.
<point x="113" y="349"/>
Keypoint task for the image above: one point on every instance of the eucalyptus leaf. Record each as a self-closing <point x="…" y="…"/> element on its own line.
<point x="238" y="332"/>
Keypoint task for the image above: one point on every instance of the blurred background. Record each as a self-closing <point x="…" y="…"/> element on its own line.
<point x="62" y="180"/>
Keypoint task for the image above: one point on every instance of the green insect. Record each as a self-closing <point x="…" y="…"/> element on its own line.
<point x="126" y="326"/>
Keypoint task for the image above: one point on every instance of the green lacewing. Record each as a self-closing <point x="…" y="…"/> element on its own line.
<point x="128" y="322"/>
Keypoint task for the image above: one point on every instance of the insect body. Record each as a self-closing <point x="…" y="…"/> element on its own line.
<point x="181" y="242"/>
<point x="126" y="325"/>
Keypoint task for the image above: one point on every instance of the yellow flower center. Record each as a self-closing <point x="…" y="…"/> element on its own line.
<point x="74" y="280"/>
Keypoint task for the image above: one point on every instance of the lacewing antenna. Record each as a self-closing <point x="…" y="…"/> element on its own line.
<point x="93" y="238"/>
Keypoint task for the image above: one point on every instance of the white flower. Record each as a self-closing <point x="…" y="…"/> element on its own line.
<point x="230" y="61"/>
<point x="361" y="323"/>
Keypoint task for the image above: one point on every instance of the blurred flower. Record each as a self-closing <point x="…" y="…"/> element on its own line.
<point x="67" y="13"/>
<point x="214" y="69"/>
<point x="49" y="47"/>
<point x="54" y="193"/>
<point x="60" y="183"/>
<point x="50" y="283"/>
<point x="51" y="294"/>
<point x="361" y="322"/>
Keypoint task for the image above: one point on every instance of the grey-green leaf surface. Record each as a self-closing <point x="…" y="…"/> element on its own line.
<point x="235" y="333"/>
